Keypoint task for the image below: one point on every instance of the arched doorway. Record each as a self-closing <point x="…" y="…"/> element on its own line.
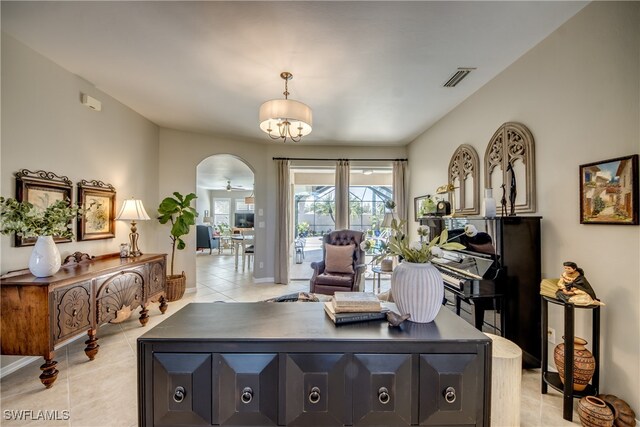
<point x="225" y="205"/>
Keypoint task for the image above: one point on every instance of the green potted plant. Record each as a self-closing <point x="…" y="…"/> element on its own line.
<point x="27" y="220"/>
<point x="178" y="211"/>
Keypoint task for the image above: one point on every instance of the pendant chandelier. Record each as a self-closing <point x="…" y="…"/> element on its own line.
<point x="285" y="118"/>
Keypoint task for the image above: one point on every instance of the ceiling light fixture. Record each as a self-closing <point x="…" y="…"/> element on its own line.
<point x="293" y="119"/>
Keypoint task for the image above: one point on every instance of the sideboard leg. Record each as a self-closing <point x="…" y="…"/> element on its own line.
<point x="49" y="372"/>
<point x="144" y="317"/>
<point x="92" y="345"/>
<point x="163" y="304"/>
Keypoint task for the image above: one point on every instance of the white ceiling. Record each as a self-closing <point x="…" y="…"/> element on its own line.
<point x="371" y="71"/>
<point x="214" y="172"/>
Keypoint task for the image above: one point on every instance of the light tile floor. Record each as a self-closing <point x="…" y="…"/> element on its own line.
<point x="104" y="392"/>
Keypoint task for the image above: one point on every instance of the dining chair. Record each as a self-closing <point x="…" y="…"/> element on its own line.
<point x="248" y="247"/>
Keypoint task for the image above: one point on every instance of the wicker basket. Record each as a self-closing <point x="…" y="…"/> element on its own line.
<point x="175" y="286"/>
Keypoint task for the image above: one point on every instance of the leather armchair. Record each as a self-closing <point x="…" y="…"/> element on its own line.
<point x="205" y="239"/>
<point x="327" y="282"/>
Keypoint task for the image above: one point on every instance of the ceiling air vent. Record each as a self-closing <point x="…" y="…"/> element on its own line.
<point x="457" y="77"/>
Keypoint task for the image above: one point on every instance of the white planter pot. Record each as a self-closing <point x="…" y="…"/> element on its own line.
<point x="45" y="257"/>
<point x="417" y="290"/>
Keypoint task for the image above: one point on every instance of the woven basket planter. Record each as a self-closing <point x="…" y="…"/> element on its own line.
<point x="175" y="286"/>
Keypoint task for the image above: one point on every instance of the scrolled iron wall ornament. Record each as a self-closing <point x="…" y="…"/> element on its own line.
<point x="464" y="165"/>
<point x="510" y="143"/>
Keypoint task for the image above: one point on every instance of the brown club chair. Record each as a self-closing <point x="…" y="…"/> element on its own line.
<point x="343" y="263"/>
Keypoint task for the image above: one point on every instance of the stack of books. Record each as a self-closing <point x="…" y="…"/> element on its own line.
<point x="349" y="307"/>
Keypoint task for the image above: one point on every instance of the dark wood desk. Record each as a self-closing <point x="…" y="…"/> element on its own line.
<point x="42" y="314"/>
<point x="268" y="364"/>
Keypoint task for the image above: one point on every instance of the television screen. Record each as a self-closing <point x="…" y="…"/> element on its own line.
<point x="243" y="220"/>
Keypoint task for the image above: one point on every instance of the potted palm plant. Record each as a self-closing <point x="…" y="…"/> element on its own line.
<point x="26" y="220"/>
<point x="178" y="211"/>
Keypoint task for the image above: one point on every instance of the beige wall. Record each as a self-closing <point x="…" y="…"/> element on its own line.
<point x="179" y="174"/>
<point x="578" y="92"/>
<point x="45" y="127"/>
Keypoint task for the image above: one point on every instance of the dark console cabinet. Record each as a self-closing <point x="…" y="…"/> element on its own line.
<point x="274" y="364"/>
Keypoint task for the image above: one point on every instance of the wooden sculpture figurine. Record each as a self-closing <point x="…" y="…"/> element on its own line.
<point x="573" y="287"/>
<point x="512" y="191"/>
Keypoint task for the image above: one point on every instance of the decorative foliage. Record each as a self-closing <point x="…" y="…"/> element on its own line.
<point x="26" y="220"/>
<point x="182" y="215"/>
<point x="417" y="252"/>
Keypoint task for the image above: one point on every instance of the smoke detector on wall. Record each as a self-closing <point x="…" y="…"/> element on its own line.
<point x="91" y="102"/>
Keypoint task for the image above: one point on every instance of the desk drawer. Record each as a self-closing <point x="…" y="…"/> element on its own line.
<point x="449" y="389"/>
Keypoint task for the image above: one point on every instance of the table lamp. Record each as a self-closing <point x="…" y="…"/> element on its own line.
<point x="133" y="210"/>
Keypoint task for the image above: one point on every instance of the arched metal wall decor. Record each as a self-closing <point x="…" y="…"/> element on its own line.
<point x="464" y="165"/>
<point x="511" y="142"/>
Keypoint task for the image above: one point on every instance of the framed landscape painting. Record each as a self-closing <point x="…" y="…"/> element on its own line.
<point x="41" y="189"/>
<point x="609" y="191"/>
<point x="98" y="201"/>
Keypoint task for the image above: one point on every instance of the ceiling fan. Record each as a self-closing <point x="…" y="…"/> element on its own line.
<point x="230" y="187"/>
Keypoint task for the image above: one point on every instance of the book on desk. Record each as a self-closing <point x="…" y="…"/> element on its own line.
<point x="354" y="316"/>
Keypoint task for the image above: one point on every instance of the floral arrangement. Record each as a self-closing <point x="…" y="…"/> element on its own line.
<point x="416" y="252"/>
<point x="27" y="220"/>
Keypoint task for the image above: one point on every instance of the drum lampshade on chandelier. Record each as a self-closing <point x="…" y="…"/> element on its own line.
<point x="285" y="118"/>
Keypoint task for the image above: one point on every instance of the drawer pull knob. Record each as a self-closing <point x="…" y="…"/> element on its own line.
<point x="179" y="394"/>
<point x="247" y="395"/>
<point x="383" y="395"/>
<point x="450" y="395"/>
<point x="314" y="396"/>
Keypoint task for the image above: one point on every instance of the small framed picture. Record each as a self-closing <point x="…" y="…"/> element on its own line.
<point x="609" y="191"/>
<point x="423" y="206"/>
<point x="41" y="189"/>
<point x="98" y="201"/>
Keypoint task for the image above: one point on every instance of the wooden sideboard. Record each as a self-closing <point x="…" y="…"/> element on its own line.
<point x="285" y="364"/>
<point x="40" y="315"/>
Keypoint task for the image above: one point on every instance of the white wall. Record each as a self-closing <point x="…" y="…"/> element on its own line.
<point x="45" y="127"/>
<point x="179" y="174"/>
<point x="578" y="91"/>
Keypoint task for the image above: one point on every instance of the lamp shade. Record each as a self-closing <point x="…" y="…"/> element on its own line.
<point x="278" y="110"/>
<point x="133" y="210"/>
<point x="207" y="220"/>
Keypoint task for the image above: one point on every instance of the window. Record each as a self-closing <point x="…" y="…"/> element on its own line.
<point x="315" y="207"/>
<point x="241" y="206"/>
<point x="221" y="211"/>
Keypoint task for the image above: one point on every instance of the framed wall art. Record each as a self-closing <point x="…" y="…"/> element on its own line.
<point x="423" y="206"/>
<point x="41" y="189"/>
<point x="98" y="201"/>
<point x="609" y="191"/>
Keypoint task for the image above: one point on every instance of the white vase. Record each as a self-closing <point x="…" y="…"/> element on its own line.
<point x="489" y="204"/>
<point x="45" y="257"/>
<point x="417" y="290"/>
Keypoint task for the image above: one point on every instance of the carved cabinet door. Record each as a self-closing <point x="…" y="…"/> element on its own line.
<point x="119" y="294"/>
<point x="72" y="310"/>
<point x="157" y="278"/>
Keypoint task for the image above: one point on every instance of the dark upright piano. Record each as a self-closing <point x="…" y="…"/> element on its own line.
<point x="501" y="262"/>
